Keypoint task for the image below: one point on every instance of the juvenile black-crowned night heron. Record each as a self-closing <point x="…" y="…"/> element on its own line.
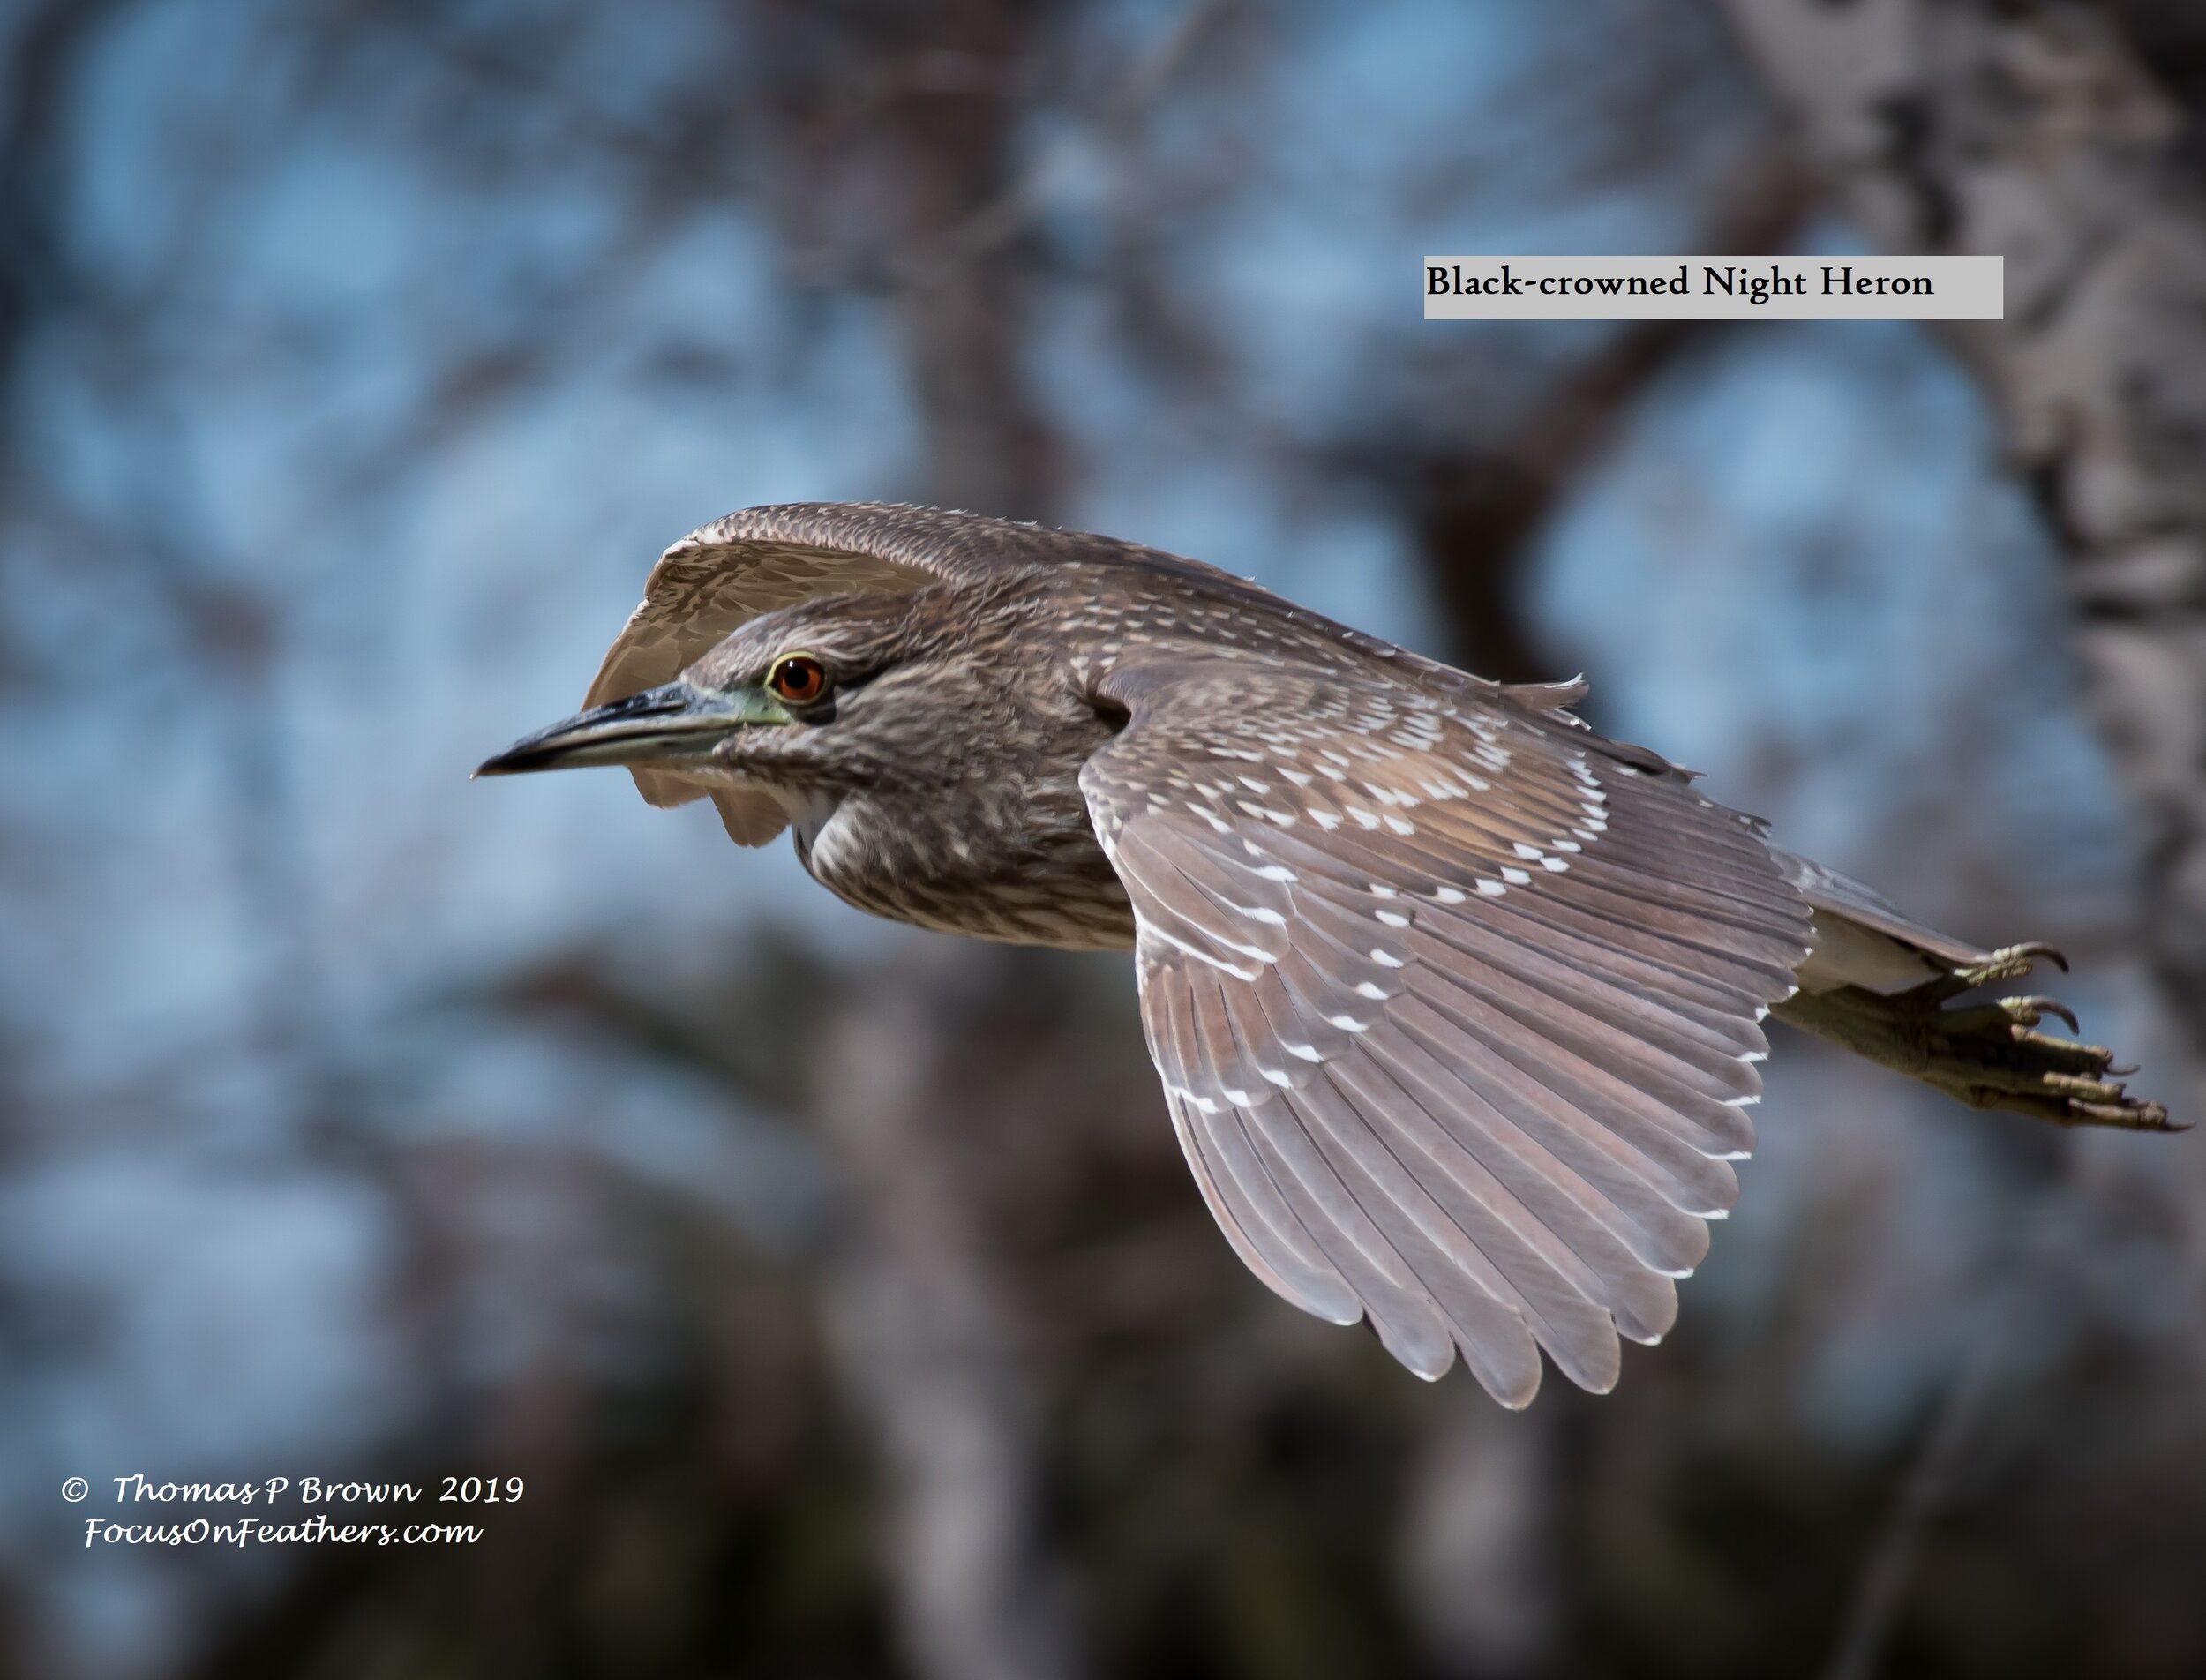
<point x="1457" y="1004"/>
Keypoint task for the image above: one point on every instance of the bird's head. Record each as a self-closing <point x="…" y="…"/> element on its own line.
<point x="814" y="700"/>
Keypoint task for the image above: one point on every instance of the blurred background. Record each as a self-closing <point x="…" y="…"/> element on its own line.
<point x="837" y="1289"/>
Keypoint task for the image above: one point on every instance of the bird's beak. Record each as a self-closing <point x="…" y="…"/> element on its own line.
<point x="675" y="721"/>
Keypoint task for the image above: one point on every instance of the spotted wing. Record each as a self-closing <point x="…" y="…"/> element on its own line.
<point x="1457" y="1012"/>
<point x="723" y="574"/>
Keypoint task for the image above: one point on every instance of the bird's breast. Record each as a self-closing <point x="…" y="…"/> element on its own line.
<point x="957" y="867"/>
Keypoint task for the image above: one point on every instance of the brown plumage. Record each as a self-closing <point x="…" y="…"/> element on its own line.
<point x="1456" y="1005"/>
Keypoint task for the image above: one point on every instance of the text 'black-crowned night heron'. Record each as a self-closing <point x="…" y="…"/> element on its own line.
<point x="1457" y="1004"/>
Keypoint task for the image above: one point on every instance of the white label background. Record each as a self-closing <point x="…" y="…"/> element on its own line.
<point x="1962" y="288"/>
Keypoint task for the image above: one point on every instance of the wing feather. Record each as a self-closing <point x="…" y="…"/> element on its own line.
<point x="1515" y="1104"/>
<point x="1510" y="1163"/>
<point x="1726" y="975"/>
<point x="1458" y="1011"/>
<point x="1267" y="1234"/>
<point x="1517" y="1261"/>
<point x="1410" y="1323"/>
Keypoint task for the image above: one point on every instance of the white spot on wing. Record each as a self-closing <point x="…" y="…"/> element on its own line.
<point x="1150" y="930"/>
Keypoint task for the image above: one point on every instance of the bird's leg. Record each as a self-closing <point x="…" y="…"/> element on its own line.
<point x="1988" y="1056"/>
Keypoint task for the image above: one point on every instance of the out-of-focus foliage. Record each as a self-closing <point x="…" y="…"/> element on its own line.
<point x="837" y="1290"/>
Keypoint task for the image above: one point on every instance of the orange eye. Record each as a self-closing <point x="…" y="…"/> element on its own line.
<point x="798" y="678"/>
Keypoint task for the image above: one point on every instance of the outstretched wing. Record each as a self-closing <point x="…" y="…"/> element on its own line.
<point x="723" y="574"/>
<point x="1457" y="1009"/>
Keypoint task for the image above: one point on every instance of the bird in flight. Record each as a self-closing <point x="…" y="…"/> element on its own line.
<point x="1457" y="1004"/>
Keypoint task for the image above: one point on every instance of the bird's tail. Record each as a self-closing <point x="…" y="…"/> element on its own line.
<point x="1987" y="1054"/>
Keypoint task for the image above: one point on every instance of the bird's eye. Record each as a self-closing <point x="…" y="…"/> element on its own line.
<point x="798" y="678"/>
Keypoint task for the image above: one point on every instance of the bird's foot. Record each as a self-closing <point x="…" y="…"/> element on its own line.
<point x="2009" y="963"/>
<point x="1988" y="1056"/>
